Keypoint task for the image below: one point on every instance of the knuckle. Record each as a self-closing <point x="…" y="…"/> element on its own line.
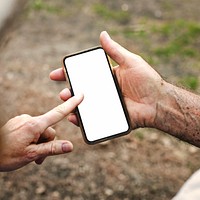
<point x="53" y="149"/>
<point x="30" y="125"/>
<point x="31" y="155"/>
<point x="22" y="122"/>
<point x="24" y="116"/>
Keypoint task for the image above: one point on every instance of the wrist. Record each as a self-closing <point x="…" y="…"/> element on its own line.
<point x="178" y="113"/>
<point x="168" y="111"/>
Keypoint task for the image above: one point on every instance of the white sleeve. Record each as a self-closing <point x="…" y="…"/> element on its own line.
<point x="191" y="188"/>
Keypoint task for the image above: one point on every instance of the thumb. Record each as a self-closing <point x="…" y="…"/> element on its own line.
<point x="51" y="148"/>
<point x="113" y="49"/>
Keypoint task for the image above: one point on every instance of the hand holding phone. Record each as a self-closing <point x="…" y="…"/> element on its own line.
<point x="102" y="114"/>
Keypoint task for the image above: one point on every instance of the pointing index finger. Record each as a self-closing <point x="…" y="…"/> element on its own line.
<point x="60" y="112"/>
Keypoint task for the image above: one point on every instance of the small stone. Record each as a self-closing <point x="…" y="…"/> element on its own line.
<point x="108" y="192"/>
<point x="40" y="190"/>
<point x="193" y="149"/>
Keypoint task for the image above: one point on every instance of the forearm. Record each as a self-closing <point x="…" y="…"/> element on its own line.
<point x="178" y="113"/>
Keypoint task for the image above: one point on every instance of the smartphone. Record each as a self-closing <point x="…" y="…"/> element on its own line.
<point x="102" y="113"/>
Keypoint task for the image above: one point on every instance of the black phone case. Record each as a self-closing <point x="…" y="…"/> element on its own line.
<point x="120" y="97"/>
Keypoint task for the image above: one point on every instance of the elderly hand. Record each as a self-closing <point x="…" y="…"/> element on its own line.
<point x="140" y="84"/>
<point x="25" y="139"/>
<point x="150" y="100"/>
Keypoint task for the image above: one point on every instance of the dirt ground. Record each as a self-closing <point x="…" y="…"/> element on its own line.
<point x="144" y="165"/>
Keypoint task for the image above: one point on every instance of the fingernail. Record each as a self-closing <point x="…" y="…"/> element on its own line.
<point x="67" y="147"/>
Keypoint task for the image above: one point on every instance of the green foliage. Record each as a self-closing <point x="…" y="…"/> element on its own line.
<point x="110" y="14"/>
<point x="190" y="82"/>
<point x="167" y="6"/>
<point x="42" y="5"/>
<point x="132" y="33"/>
<point x="172" y="38"/>
<point x="179" y="37"/>
<point x="139" y="135"/>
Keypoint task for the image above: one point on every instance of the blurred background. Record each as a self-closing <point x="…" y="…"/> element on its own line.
<point x="34" y="37"/>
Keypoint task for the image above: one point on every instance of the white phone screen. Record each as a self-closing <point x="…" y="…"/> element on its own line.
<point x="102" y="114"/>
